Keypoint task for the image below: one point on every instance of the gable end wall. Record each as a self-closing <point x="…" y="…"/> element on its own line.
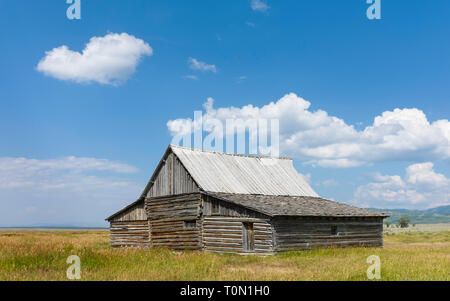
<point x="172" y="179"/>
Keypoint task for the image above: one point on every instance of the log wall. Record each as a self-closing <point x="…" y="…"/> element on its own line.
<point x="296" y="233"/>
<point x="226" y="234"/>
<point x="175" y="221"/>
<point x="194" y="221"/>
<point x="129" y="234"/>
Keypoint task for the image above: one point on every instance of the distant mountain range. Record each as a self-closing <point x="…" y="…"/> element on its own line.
<point x="435" y="215"/>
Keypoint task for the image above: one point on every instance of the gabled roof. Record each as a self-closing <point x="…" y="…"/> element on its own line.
<point x="244" y="174"/>
<point x="295" y="206"/>
<point x="267" y="185"/>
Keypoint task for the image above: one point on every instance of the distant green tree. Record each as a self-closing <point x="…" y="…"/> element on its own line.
<point x="388" y="224"/>
<point x="403" y="222"/>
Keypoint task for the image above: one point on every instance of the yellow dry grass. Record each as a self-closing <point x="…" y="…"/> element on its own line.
<point x="41" y="255"/>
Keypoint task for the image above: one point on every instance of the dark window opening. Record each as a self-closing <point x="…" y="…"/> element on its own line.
<point x="248" y="237"/>
<point x="190" y="224"/>
<point x="215" y="207"/>
<point x="334" y="230"/>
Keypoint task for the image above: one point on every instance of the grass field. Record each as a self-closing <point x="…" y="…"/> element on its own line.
<point x="41" y="255"/>
<point x="394" y="229"/>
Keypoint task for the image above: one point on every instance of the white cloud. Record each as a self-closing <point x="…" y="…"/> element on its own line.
<point x="424" y="175"/>
<point x="195" y="64"/>
<point x="111" y="59"/>
<point x="324" y="140"/>
<point x="193" y="77"/>
<point x="328" y="183"/>
<point x="259" y="5"/>
<point x="241" y="79"/>
<point x="307" y="177"/>
<point x="57" y="173"/>
<point x="421" y="187"/>
<point x="65" y="190"/>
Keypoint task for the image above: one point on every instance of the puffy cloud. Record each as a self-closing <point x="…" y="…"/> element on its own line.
<point x="195" y="64"/>
<point x="421" y="188"/>
<point x="81" y="191"/>
<point x="324" y="140"/>
<point x="111" y="59"/>
<point x="423" y="175"/>
<point x="259" y="5"/>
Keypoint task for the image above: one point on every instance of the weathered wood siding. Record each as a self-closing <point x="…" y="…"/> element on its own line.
<point x="130" y="228"/>
<point x="129" y="234"/>
<point x="216" y="207"/>
<point x="226" y="234"/>
<point x="224" y="230"/>
<point x="134" y="213"/>
<point x="175" y="221"/>
<point x="297" y="233"/>
<point x="172" y="179"/>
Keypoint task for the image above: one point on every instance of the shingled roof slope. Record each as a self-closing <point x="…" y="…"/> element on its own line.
<point x="295" y="206"/>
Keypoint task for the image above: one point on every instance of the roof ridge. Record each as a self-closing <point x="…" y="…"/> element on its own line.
<point x="270" y="195"/>
<point x="229" y="154"/>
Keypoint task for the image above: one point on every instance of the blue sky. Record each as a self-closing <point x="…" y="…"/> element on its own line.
<point x="73" y="152"/>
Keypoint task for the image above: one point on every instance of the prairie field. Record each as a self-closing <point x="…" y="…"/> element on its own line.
<point x="395" y="229"/>
<point x="42" y="254"/>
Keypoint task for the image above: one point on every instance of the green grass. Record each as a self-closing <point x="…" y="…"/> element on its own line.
<point x="41" y="255"/>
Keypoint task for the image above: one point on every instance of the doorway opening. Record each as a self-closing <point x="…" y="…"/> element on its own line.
<point x="248" y="237"/>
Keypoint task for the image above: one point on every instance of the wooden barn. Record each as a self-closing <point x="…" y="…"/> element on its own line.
<point x="203" y="200"/>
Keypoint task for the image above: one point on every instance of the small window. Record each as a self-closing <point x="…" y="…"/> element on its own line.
<point x="334" y="230"/>
<point x="214" y="208"/>
<point x="190" y="224"/>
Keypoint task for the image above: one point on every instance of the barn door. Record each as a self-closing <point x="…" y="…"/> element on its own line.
<point x="248" y="237"/>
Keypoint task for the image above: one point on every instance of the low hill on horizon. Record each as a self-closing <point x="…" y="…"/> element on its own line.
<point x="435" y="215"/>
